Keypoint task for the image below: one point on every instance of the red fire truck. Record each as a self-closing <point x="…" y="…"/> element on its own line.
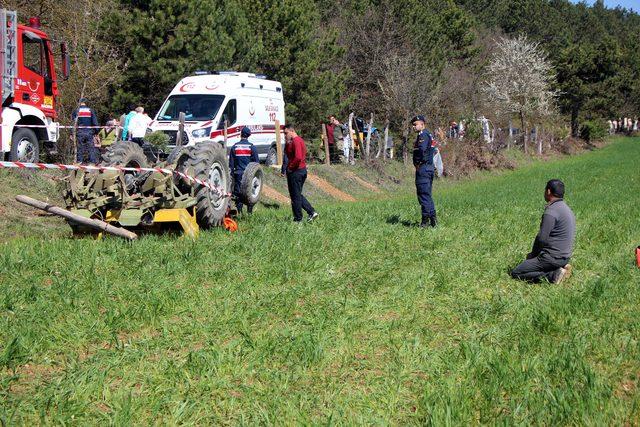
<point x="29" y="88"/>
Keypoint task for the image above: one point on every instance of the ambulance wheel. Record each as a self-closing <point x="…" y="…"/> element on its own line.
<point x="251" y="184"/>
<point x="208" y="162"/>
<point x="272" y="157"/>
<point x="24" y="146"/>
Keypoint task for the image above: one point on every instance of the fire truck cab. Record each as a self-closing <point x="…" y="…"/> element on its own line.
<point x="29" y="89"/>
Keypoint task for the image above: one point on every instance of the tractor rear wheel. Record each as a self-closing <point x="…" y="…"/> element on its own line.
<point x="208" y="162"/>
<point x="251" y="183"/>
<point x="127" y="154"/>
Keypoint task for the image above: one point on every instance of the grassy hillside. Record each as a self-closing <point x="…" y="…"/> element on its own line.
<point x="358" y="318"/>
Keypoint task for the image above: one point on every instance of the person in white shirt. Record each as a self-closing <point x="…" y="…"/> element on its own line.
<point x="138" y="126"/>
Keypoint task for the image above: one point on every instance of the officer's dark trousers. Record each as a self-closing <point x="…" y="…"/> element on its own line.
<point x="424" y="183"/>
<point x="538" y="268"/>
<point x="86" y="148"/>
<point x="237" y="180"/>
<point x="295" y="182"/>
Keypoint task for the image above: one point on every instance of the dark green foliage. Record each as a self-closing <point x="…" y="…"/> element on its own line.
<point x="170" y="39"/>
<point x="593" y="130"/>
<point x="595" y="51"/>
<point x="329" y="54"/>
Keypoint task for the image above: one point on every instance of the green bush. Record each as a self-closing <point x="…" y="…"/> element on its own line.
<point x="593" y="130"/>
<point x="158" y="139"/>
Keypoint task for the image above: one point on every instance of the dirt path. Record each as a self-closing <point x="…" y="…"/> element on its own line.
<point x="274" y="194"/>
<point x="326" y="187"/>
<point x="361" y="181"/>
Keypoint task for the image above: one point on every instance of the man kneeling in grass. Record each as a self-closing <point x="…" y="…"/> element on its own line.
<point x="554" y="243"/>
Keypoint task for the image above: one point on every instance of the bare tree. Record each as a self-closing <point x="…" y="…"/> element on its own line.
<point x="407" y="87"/>
<point x="520" y="81"/>
<point x="96" y="64"/>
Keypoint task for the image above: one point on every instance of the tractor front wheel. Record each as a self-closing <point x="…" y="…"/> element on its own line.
<point x="208" y="162"/>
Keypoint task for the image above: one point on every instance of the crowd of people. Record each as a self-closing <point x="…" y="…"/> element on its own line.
<point x="552" y="248"/>
<point x="90" y="136"/>
<point x="623" y="125"/>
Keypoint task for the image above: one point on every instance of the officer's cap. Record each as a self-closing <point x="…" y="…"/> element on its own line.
<point x="246" y="132"/>
<point x="418" y="117"/>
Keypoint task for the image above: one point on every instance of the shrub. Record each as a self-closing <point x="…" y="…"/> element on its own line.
<point x="593" y="130"/>
<point x="158" y="139"/>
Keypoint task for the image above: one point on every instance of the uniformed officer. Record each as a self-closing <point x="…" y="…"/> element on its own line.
<point x="84" y="116"/>
<point x="241" y="154"/>
<point x="423" y="161"/>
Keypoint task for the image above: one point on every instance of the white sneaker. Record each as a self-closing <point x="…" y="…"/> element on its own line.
<point x="313" y="216"/>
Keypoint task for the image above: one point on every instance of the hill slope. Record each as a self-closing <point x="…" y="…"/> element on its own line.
<point x="359" y="317"/>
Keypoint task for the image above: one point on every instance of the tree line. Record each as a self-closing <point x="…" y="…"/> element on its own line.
<point x="393" y="58"/>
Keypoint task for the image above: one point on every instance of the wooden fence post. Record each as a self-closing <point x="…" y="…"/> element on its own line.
<point x="181" y="119"/>
<point x="224" y="133"/>
<point x="120" y="128"/>
<point x="278" y="143"/>
<point x="368" y="149"/>
<point x="386" y="139"/>
<point x="325" y="140"/>
<point x="351" y="159"/>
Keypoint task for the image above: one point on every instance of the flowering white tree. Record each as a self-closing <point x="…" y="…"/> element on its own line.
<point x="520" y="81"/>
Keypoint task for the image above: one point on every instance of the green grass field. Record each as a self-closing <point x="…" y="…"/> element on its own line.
<point x="358" y="318"/>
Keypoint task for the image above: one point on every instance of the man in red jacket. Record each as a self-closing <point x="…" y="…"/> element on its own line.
<point x="295" y="168"/>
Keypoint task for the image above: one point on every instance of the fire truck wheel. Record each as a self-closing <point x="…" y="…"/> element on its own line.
<point x="251" y="183"/>
<point x="208" y="161"/>
<point x="24" y="146"/>
<point x="272" y="157"/>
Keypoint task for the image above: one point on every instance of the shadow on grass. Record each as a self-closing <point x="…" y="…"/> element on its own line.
<point x="395" y="219"/>
<point x="270" y="205"/>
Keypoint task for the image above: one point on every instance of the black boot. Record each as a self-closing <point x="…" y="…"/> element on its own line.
<point x="433" y="221"/>
<point x="425" y="222"/>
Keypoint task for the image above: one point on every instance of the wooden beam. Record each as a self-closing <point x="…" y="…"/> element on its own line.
<point x="325" y="140"/>
<point x="279" y="143"/>
<point x="89" y="222"/>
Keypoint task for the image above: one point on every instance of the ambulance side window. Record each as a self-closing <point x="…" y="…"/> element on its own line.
<point x="230" y="113"/>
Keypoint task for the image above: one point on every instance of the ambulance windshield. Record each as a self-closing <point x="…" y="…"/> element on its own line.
<point x="195" y="107"/>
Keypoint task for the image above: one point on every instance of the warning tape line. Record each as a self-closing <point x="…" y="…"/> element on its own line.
<point x="61" y="126"/>
<point x="57" y="166"/>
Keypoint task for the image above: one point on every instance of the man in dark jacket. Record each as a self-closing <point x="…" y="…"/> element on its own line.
<point x="423" y="161"/>
<point x="294" y="167"/>
<point x="84" y="117"/>
<point x="553" y="245"/>
<point x="241" y="154"/>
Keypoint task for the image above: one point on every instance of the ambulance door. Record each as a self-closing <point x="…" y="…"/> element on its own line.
<point x="258" y="118"/>
<point x="230" y="114"/>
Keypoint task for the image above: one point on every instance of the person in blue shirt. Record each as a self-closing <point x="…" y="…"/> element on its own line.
<point x="423" y="161"/>
<point x="241" y="154"/>
<point x="86" y="124"/>
<point x="126" y="135"/>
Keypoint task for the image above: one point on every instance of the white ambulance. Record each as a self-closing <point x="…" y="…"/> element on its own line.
<point x="208" y="99"/>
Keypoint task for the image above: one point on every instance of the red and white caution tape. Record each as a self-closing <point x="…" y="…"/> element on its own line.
<point x="42" y="166"/>
<point x="61" y="126"/>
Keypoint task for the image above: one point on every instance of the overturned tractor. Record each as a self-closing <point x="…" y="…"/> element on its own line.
<point x="145" y="189"/>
